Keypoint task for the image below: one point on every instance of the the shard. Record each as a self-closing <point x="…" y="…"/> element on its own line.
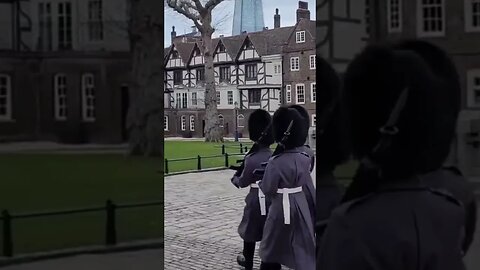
<point x="248" y="16"/>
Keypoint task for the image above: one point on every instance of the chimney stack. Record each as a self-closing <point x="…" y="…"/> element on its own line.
<point x="276" y="19"/>
<point x="173" y="34"/>
<point x="302" y="11"/>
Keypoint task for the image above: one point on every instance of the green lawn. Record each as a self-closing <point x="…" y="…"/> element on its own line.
<point x="191" y="149"/>
<point x="46" y="182"/>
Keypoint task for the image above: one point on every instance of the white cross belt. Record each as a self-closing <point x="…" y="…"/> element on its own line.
<point x="261" y="199"/>
<point x="286" y="201"/>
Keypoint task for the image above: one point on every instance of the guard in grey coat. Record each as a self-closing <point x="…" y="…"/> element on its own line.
<point x="403" y="107"/>
<point x="288" y="236"/>
<point x="256" y="205"/>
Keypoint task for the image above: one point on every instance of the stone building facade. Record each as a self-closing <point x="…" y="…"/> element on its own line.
<point x="453" y="25"/>
<point x="63" y="70"/>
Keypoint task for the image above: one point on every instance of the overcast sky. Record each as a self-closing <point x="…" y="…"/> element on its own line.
<point x="287" y="10"/>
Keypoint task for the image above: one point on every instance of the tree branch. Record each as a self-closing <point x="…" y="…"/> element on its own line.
<point x="182" y="8"/>
<point x="211" y="4"/>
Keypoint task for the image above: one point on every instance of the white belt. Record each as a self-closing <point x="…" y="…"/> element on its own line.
<point x="261" y="199"/>
<point x="286" y="201"/>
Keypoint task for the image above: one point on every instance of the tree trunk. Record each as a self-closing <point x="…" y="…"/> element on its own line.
<point x="145" y="116"/>
<point x="213" y="132"/>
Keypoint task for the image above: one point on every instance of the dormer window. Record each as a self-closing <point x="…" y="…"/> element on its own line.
<point x="300" y="36"/>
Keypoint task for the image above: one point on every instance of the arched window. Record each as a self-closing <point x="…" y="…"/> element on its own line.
<point x="241" y="120"/>
<point x="192" y="123"/>
<point x="88" y="97"/>
<point x="60" y="97"/>
<point x="221" y="120"/>
<point x="183" y="123"/>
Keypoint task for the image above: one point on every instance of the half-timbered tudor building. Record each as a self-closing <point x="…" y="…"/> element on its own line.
<point x="249" y="74"/>
<point x="453" y="25"/>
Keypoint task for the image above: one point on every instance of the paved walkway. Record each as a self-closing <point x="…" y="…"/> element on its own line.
<point x="141" y="260"/>
<point x="202" y="213"/>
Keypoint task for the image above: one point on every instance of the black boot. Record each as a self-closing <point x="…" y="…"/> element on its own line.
<point x="246" y="259"/>
<point x="270" y="266"/>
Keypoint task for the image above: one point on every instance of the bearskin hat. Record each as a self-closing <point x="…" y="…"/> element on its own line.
<point x="304" y="113"/>
<point x="298" y="133"/>
<point x="259" y="122"/>
<point x="373" y="84"/>
<point x="333" y="144"/>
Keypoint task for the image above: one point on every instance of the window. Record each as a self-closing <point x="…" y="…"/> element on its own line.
<point x="313" y="92"/>
<point x="240" y="120"/>
<point x="432" y="17"/>
<point x="294" y="63"/>
<point x="178" y="101"/>
<point x="314" y="120"/>
<point x="218" y="97"/>
<point x="95" y="20"/>
<point x="254" y="96"/>
<point x="45" y="26"/>
<point x="200" y="75"/>
<point x="289" y="93"/>
<point x="473" y="96"/>
<point x="313" y="61"/>
<point x="394" y="10"/>
<point x="60" y="97"/>
<point x="165" y="123"/>
<point x="251" y="72"/>
<point x="192" y="123"/>
<point x="177" y="77"/>
<point x="300" y="94"/>
<point x="184" y="100"/>
<point x="221" y="120"/>
<point x="5" y="97"/>
<point x="183" y="123"/>
<point x="224" y="74"/>
<point x="194" y="98"/>
<point x="300" y="36"/>
<point x="88" y="97"/>
<point x="64" y="25"/>
<point x="230" y="97"/>
<point x="278" y="69"/>
<point x="275" y="69"/>
<point x="472" y="15"/>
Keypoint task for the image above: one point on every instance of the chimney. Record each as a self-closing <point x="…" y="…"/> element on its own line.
<point x="276" y="19"/>
<point x="174" y="34"/>
<point x="302" y="11"/>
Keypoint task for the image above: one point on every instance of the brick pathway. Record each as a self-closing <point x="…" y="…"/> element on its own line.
<point x="202" y="213"/>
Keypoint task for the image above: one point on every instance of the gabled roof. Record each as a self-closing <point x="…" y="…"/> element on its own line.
<point x="305" y="24"/>
<point x="233" y="44"/>
<point x="185" y="50"/>
<point x="271" y="41"/>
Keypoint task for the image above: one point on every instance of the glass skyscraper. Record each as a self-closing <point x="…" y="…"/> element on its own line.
<point x="248" y="16"/>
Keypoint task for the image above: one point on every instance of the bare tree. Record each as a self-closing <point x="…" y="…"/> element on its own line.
<point x="201" y="15"/>
<point x="145" y="121"/>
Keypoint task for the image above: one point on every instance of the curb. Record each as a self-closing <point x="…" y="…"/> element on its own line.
<point x="40" y="256"/>
<point x="197" y="171"/>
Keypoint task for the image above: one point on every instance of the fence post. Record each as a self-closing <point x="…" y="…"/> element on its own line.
<point x="199" y="162"/>
<point x="246" y="149"/>
<point x="111" y="234"/>
<point x="241" y="149"/>
<point x="166" y="166"/>
<point x="223" y="149"/>
<point x="7" y="234"/>
<point x="226" y="160"/>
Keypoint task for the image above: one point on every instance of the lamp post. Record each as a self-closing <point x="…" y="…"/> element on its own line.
<point x="236" y="121"/>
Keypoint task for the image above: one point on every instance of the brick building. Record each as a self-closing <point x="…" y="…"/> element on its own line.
<point x="453" y="25"/>
<point x="63" y="70"/>
<point x="251" y="71"/>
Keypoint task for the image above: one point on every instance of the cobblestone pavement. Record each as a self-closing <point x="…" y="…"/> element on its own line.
<point x="202" y="213"/>
<point x="140" y="260"/>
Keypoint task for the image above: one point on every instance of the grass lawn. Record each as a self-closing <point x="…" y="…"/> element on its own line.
<point x="191" y="149"/>
<point x="51" y="182"/>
